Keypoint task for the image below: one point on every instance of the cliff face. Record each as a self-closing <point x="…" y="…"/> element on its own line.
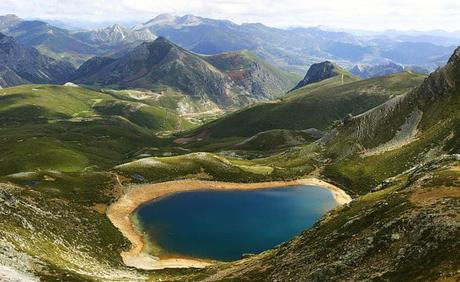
<point x="319" y="72"/>
<point x="22" y="64"/>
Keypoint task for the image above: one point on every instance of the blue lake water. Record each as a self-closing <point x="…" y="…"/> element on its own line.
<point x="223" y="225"/>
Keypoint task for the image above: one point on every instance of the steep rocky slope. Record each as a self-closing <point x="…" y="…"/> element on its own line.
<point x="20" y="64"/>
<point x="114" y="35"/>
<point x="225" y="80"/>
<point x="400" y="133"/>
<point x="319" y="72"/>
<point x="377" y="70"/>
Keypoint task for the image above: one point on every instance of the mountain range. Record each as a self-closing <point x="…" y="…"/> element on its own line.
<point x="73" y="46"/>
<point x="293" y="49"/>
<point x="313" y="106"/>
<point x="226" y="80"/>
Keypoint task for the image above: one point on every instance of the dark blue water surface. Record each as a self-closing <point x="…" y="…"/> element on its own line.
<point x="223" y="225"/>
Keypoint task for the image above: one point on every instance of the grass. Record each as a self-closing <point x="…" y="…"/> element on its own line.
<point x="74" y="129"/>
<point x="51" y="102"/>
<point x="438" y="132"/>
<point x="316" y="105"/>
<point x="42" y="153"/>
<point x="196" y="165"/>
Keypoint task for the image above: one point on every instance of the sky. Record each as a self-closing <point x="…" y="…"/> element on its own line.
<point x="342" y="14"/>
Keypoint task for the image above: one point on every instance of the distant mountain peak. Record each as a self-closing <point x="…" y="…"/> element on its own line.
<point x="369" y="71"/>
<point x="171" y="20"/>
<point x="189" y="20"/>
<point x="8" y="20"/>
<point x="318" y="72"/>
<point x="161" y="19"/>
<point x="116" y="27"/>
<point x="10" y="17"/>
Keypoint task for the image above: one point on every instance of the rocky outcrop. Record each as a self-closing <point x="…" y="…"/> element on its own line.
<point x="115" y="35"/>
<point x="319" y="72"/>
<point x="370" y="71"/>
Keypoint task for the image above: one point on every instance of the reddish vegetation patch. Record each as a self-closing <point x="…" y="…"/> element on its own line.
<point x="237" y="75"/>
<point x="433" y="195"/>
<point x="200" y="135"/>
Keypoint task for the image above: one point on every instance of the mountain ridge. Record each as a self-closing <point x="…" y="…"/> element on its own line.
<point x="291" y="49"/>
<point x="29" y="65"/>
<point x="162" y="63"/>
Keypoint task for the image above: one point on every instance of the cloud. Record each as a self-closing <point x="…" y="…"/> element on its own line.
<point x="358" y="14"/>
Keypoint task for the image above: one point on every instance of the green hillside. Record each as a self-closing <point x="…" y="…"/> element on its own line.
<point x="72" y="129"/>
<point x="316" y="105"/>
<point x="401" y="133"/>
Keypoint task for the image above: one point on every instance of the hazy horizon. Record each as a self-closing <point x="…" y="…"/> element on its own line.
<point x="411" y="15"/>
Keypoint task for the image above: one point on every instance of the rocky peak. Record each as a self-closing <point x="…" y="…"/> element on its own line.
<point x="318" y="72"/>
<point x="369" y="71"/>
<point x="162" y="19"/>
<point x="455" y="58"/>
<point x="189" y="20"/>
<point x="7" y="21"/>
<point x="116" y="28"/>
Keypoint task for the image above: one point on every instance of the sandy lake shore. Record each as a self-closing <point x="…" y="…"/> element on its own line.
<point x="121" y="211"/>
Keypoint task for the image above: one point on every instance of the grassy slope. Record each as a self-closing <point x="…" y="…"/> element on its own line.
<point x="438" y="131"/>
<point x="313" y="106"/>
<point x="196" y="165"/>
<point x="70" y="129"/>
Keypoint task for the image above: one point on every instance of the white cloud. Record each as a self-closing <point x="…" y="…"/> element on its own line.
<point x="358" y="14"/>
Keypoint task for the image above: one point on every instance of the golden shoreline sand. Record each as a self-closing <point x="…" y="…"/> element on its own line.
<point x="120" y="213"/>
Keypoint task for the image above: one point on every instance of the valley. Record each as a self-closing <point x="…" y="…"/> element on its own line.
<point x="121" y="146"/>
